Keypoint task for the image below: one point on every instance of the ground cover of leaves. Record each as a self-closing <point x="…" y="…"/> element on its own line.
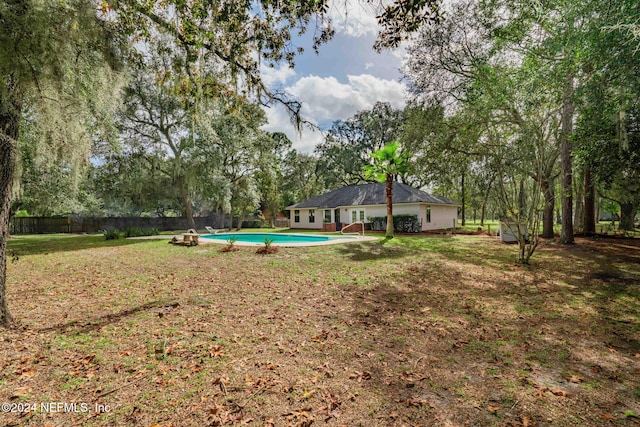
<point x="416" y="331"/>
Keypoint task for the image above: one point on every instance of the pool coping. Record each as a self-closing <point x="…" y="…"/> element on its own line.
<point x="336" y="240"/>
<point x="207" y="241"/>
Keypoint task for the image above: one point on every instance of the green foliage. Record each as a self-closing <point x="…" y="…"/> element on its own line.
<point x="268" y="247"/>
<point x="231" y="245"/>
<point x="300" y="178"/>
<point x="111" y="234"/>
<point x="400" y="19"/>
<point x="268" y="241"/>
<point x="137" y="232"/>
<point x="346" y="147"/>
<point x="388" y="161"/>
<point x="232" y="39"/>
<point x="402" y="223"/>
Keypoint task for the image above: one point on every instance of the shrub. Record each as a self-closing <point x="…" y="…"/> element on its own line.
<point x="267" y="248"/>
<point x="406" y="223"/>
<point x="137" y="232"/>
<point x="230" y="247"/>
<point x="402" y="223"/>
<point x="111" y="234"/>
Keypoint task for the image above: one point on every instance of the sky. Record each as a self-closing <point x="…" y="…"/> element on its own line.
<point x="347" y="76"/>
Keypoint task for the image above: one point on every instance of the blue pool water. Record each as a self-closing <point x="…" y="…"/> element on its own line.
<point x="278" y="238"/>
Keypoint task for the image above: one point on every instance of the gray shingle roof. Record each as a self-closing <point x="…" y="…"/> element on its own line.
<point x="371" y="194"/>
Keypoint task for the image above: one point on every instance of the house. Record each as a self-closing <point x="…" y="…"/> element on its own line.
<point x="355" y="203"/>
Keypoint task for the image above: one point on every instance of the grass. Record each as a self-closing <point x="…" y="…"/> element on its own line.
<point x="425" y="330"/>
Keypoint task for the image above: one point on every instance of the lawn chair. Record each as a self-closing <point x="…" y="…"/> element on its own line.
<point x="212" y="230"/>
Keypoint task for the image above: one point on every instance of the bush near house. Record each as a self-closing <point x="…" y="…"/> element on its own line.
<point x="402" y="223"/>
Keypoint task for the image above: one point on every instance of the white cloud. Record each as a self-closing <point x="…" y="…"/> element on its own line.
<point x="278" y="121"/>
<point x="354" y="18"/>
<point x="327" y="99"/>
<point x="276" y="76"/>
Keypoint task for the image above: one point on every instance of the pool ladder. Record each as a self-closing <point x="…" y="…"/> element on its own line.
<point x="360" y="233"/>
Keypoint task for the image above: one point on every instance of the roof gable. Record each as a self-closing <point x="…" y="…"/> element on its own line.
<point x="371" y="194"/>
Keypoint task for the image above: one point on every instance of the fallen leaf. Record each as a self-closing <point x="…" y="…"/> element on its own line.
<point x="364" y="375"/>
<point x="559" y="392"/>
<point x="493" y="409"/>
<point x="526" y="422"/>
<point x="575" y="379"/>
<point x="415" y="401"/>
<point x="607" y="416"/>
<point x="22" y="391"/>
<point x="28" y="373"/>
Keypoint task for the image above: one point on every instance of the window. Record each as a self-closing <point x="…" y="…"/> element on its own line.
<point x="312" y="215"/>
<point x="327" y="215"/>
<point x="296" y="215"/>
<point x="357" y="215"/>
<point x="428" y="213"/>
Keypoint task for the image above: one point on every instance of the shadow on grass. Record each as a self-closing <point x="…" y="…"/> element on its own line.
<point x="78" y="327"/>
<point x="394" y="248"/>
<point x="40" y="244"/>
<point x="528" y="328"/>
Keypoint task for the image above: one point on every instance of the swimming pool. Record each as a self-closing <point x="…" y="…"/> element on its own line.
<point x="280" y="239"/>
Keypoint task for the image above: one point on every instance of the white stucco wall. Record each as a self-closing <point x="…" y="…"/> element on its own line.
<point x="304" y="219"/>
<point x="442" y="217"/>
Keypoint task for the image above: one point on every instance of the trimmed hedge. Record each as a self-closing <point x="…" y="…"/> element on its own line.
<point x="402" y="223"/>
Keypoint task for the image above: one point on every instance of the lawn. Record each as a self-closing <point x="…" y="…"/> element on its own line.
<point x="426" y="331"/>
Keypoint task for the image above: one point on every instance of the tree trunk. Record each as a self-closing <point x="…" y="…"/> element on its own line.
<point x="462" y="213"/>
<point x="9" y="128"/>
<point x="547" y="213"/>
<point x="240" y="221"/>
<point x="589" y="222"/>
<point x="389" y="194"/>
<point x="485" y="200"/>
<point x="578" y="212"/>
<point x="566" y="160"/>
<point x="627" y="216"/>
<point x="522" y="205"/>
<point x="187" y="203"/>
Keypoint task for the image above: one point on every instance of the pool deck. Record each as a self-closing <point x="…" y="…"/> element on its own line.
<point x="206" y="240"/>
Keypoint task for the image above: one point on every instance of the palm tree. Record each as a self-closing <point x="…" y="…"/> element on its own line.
<point x="388" y="163"/>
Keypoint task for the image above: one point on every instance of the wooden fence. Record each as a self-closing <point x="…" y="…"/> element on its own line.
<point x="74" y="224"/>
